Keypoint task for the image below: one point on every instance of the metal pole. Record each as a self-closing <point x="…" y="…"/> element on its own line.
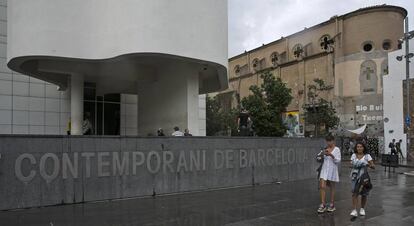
<point x="407" y="70"/>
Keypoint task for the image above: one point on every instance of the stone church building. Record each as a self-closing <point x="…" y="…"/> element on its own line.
<point x="348" y="52"/>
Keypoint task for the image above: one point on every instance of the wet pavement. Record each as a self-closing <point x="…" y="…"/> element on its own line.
<point x="391" y="203"/>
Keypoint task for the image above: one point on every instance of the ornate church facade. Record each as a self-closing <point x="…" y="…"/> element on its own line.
<point x="348" y="52"/>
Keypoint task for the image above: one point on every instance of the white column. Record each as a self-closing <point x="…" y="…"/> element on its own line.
<point x="172" y="100"/>
<point x="192" y="99"/>
<point x="76" y="104"/>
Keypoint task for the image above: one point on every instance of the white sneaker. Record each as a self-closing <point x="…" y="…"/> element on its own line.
<point x="354" y="213"/>
<point x="362" y="212"/>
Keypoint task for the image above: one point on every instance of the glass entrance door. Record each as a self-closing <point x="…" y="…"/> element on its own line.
<point x="103" y="111"/>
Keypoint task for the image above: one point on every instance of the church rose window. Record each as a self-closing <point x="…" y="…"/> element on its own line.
<point x="367" y="46"/>
<point x="386" y="45"/>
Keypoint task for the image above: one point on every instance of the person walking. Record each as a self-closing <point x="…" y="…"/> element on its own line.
<point x="398" y="148"/>
<point x="329" y="174"/>
<point x="360" y="161"/>
<point x="392" y="147"/>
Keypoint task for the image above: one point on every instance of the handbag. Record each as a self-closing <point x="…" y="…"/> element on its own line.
<point x="320" y="158"/>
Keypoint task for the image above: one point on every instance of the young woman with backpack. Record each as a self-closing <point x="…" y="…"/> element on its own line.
<point x="361" y="183"/>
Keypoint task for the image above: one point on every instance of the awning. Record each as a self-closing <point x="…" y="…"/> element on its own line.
<point x="359" y="130"/>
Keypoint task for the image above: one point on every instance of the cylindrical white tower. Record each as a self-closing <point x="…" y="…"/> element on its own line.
<point x="168" y="51"/>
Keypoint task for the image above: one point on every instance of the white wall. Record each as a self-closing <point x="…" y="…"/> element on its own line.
<point x="28" y="105"/>
<point x="202" y="116"/>
<point x="94" y="29"/>
<point x="100" y="30"/>
<point x="103" y="33"/>
<point x="393" y="98"/>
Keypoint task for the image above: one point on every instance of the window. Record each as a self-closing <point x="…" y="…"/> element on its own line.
<point x="326" y="42"/>
<point x="367" y="46"/>
<point x="237" y="69"/>
<point x="368" y="77"/>
<point x="244" y="70"/>
<point x="386" y="45"/>
<point x="255" y="64"/>
<point x="274" y="58"/>
<point x="297" y="50"/>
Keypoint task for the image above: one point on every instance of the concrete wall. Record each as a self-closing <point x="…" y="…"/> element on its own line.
<point x="49" y="170"/>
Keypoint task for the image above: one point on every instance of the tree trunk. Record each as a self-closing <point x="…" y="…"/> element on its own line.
<point x="316" y="129"/>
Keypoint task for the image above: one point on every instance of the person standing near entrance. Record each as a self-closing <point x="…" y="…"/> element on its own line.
<point x="177" y="132"/>
<point x="69" y="127"/>
<point x="187" y="133"/>
<point x="160" y="132"/>
<point x="243" y="122"/>
<point x="87" y="128"/>
<point x="329" y="174"/>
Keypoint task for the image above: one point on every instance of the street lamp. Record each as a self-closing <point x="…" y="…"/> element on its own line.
<point x="407" y="36"/>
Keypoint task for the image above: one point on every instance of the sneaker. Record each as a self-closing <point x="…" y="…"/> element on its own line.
<point x="362" y="212"/>
<point x="331" y="208"/>
<point x="322" y="208"/>
<point x="354" y="213"/>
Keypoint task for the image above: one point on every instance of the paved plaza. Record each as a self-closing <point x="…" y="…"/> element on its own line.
<point x="391" y="203"/>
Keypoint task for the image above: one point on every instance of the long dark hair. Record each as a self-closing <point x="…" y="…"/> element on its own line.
<point x="363" y="145"/>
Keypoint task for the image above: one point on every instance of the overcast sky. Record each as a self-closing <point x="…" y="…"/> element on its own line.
<point x="254" y="22"/>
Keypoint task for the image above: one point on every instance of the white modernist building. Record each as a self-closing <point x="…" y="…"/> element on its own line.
<point x="393" y="99"/>
<point x="166" y="54"/>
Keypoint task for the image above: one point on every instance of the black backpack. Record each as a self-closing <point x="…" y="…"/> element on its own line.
<point x="364" y="183"/>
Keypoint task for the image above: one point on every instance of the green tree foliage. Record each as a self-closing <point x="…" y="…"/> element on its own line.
<point x="219" y="121"/>
<point x="266" y="105"/>
<point x="319" y="112"/>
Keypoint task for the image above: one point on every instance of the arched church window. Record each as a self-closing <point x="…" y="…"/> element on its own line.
<point x="326" y="42"/>
<point x="297" y="50"/>
<point x="274" y="58"/>
<point x="237" y="69"/>
<point x="368" y="77"/>
<point x="255" y="63"/>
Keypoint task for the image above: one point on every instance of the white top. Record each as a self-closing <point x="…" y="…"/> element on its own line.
<point x="177" y="134"/>
<point x="358" y="164"/>
<point x="329" y="169"/>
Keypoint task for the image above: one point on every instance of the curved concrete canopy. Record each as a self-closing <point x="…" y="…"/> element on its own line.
<point x="122" y="40"/>
<point x="130" y="71"/>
